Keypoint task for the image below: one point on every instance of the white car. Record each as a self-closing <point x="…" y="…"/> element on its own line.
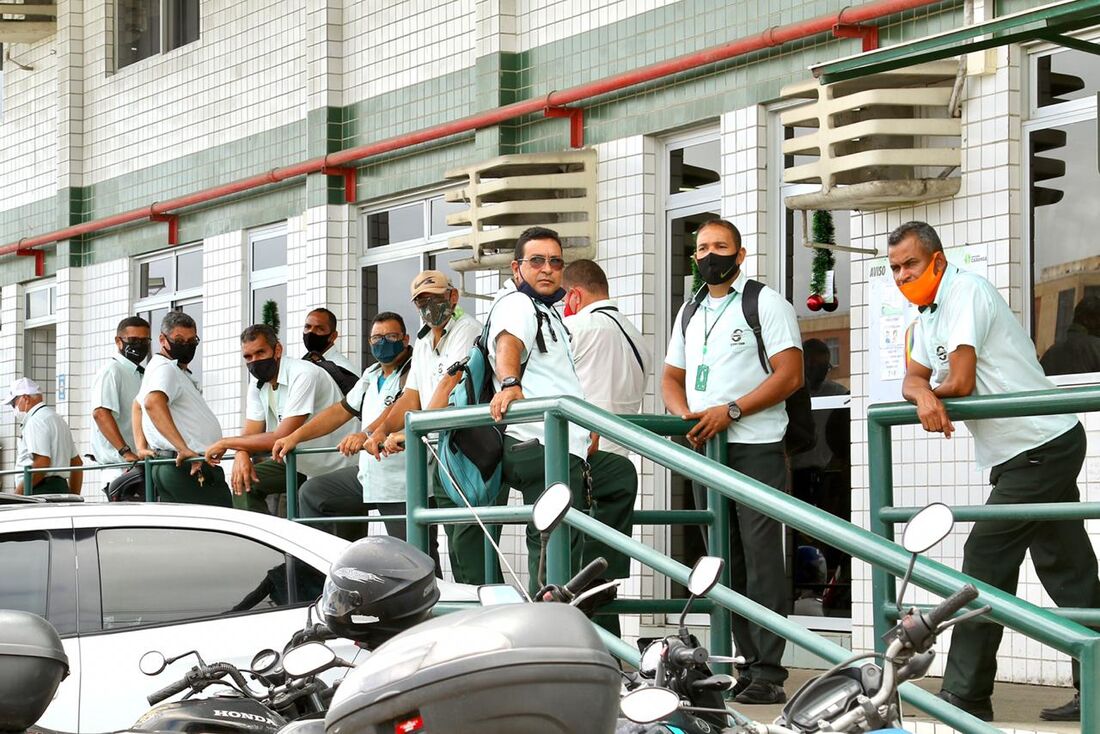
<point x="120" y="579"/>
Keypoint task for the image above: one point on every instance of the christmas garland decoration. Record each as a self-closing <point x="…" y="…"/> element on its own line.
<point x="822" y="287"/>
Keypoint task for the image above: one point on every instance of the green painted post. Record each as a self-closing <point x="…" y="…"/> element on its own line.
<point x="718" y="542"/>
<point x="881" y="478"/>
<point x="557" y="470"/>
<point x="1090" y="686"/>
<point x="28" y="487"/>
<point x="150" y="493"/>
<point x="416" y="487"/>
<point x="291" y="486"/>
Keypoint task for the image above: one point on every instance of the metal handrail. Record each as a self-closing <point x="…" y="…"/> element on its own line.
<point x="880" y="420"/>
<point x="878" y="551"/>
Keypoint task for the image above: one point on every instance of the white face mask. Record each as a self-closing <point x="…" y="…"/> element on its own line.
<point x="20" y="415"/>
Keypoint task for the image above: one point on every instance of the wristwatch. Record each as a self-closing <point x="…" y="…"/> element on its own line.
<point x="508" y="382"/>
<point x="734" y="410"/>
<point x="124" y="449"/>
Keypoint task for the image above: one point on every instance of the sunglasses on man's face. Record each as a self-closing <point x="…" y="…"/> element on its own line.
<point x="538" y="262"/>
<point x="393" y="336"/>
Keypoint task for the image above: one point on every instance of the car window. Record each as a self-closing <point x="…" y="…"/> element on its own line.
<point x="158" y="575"/>
<point x="25" y="572"/>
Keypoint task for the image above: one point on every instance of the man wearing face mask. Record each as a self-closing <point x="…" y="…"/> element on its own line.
<point x="283" y="394"/>
<point x="377" y="483"/>
<point x="713" y="374"/>
<point x="531" y="358"/>
<point x="319" y="336"/>
<point x="45" y="440"/>
<point x="175" y="421"/>
<point x="116" y="385"/>
<point x="446" y="337"/>
<point x="966" y="341"/>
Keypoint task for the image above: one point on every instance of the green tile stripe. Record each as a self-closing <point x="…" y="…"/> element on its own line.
<point x="495" y="80"/>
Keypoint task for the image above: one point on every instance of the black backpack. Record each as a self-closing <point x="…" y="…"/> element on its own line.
<point x="801" y="434"/>
<point x="345" y="379"/>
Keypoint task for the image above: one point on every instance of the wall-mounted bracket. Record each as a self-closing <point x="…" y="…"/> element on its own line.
<point x="576" y="122"/>
<point x="173" y="221"/>
<point x="349" y="174"/>
<point x="869" y="34"/>
<point x="39" y="259"/>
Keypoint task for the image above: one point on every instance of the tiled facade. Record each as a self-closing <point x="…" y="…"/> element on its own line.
<point x="269" y="84"/>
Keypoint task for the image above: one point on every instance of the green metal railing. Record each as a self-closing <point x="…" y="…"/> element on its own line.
<point x="1058" y="628"/>
<point x="881" y="553"/>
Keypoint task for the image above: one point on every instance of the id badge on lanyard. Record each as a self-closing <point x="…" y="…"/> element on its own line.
<point x="701" y="375"/>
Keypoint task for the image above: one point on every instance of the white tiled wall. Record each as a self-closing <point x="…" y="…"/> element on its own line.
<point x="544" y="21"/>
<point x="28" y="156"/>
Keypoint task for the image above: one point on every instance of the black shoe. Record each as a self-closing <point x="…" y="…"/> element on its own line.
<point x="981" y="708"/>
<point x="1069" y="711"/>
<point x="761" y="692"/>
<point x="743" y="682"/>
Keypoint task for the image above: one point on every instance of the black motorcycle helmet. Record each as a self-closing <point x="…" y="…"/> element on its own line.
<point x="377" y="587"/>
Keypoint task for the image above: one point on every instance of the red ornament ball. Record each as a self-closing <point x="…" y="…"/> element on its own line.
<point x="815" y="302"/>
<point x="832" y="305"/>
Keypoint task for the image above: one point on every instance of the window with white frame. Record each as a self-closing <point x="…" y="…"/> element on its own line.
<point x="40" y="303"/>
<point x="171" y="281"/>
<point x="401" y="239"/>
<point x="40" y="336"/>
<point x="1060" y="180"/>
<point x="144" y="27"/>
<point x="267" y="277"/>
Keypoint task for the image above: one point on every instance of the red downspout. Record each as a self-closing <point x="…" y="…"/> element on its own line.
<point x="774" y="36"/>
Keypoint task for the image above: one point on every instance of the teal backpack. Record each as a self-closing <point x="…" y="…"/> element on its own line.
<point x="473" y="455"/>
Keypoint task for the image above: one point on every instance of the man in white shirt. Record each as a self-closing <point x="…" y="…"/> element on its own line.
<point x="116" y="385"/>
<point x="283" y="394"/>
<point x="319" y="336"/>
<point x="446" y="338"/>
<point x="531" y="358"/>
<point x="378" y="483"/>
<point x="44" y="441"/>
<point x="713" y="374"/>
<point x="175" y="421"/>
<point x="612" y="361"/>
<point x="966" y="341"/>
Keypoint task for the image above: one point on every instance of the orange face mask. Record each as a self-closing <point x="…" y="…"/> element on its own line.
<point x="922" y="291"/>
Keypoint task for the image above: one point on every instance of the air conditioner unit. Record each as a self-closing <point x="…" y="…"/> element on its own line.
<point x="508" y="194"/>
<point x="879" y="141"/>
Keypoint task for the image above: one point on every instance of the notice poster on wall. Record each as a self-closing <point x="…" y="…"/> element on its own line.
<point x="889" y="316"/>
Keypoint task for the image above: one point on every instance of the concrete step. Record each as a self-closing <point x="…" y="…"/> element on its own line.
<point x="1016" y="707"/>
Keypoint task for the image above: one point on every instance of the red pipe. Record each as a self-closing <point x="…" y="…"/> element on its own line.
<point x="774" y="36"/>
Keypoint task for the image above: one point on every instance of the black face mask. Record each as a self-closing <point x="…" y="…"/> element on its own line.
<point x="716" y="269"/>
<point x="182" y="352"/>
<point x="315" y="342"/>
<point x="527" y="289"/>
<point x="815" y="374"/>
<point x="135" y="350"/>
<point x="264" y="370"/>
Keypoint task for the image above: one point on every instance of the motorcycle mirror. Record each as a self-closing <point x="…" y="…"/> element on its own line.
<point x="650" y="657"/>
<point x="264" y="661"/>
<point x="928" y="527"/>
<point x="152" y="663"/>
<point x="491" y="595"/>
<point x="646" y="705"/>
<point x="551" y="506"/>
<point x="307" y="659"/>
<point x="705" y="574"/>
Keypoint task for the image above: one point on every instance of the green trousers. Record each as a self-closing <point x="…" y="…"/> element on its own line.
<point x="50" y="485"/>
<point x="1060" y="550"/>
<point x="272" y="476"/>
<point x="611" y="501"/>
<point x="466" y="544"/>
<point x="175" y="484"/>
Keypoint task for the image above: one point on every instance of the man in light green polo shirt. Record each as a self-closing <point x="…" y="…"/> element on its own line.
<point x="966" y="341"/>
<point x="283" y="394"/>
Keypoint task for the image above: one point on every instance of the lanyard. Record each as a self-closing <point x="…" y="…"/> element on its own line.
<point x="707" y="330"/>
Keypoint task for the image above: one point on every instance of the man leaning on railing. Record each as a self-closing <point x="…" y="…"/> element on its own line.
<point x="44" y="441"/>
<point x="966" y="341"/>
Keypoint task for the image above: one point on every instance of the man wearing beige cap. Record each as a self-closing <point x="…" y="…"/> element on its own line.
<point x="44" y="441"/>
<point x="446" y="338"/>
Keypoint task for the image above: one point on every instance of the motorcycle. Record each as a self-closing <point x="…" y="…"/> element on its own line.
<point x="846" y="698"/>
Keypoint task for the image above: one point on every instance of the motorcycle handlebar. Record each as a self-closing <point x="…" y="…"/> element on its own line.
<point x="169" y="690"/>
<point x="684" y="656"/>
<point x="947" y="608"/>
<point x="587" y="575"/>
